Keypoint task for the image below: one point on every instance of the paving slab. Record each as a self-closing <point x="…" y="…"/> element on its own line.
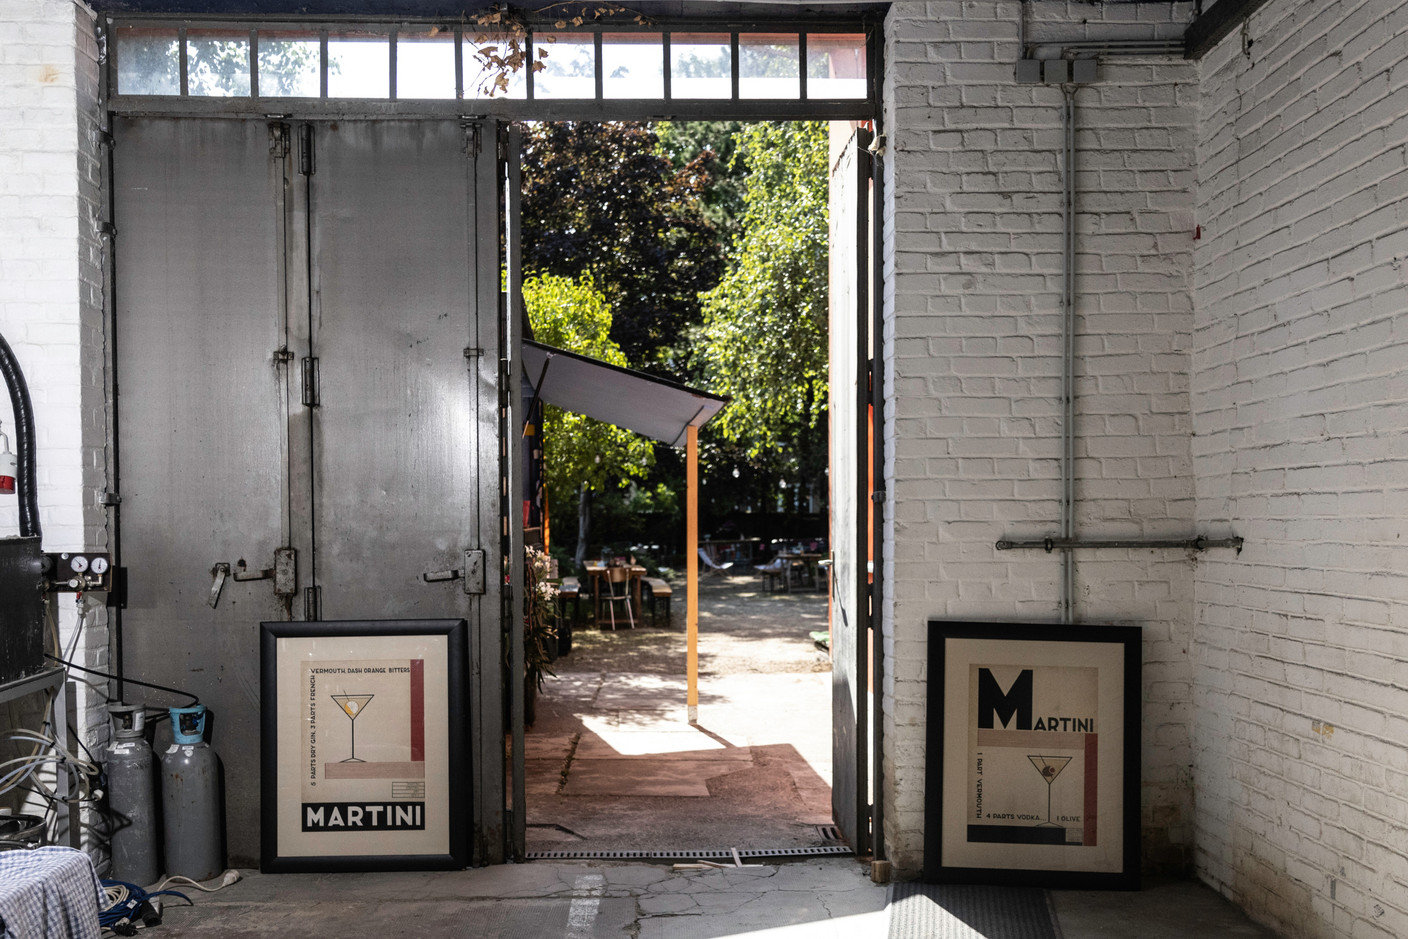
<point x="659" y="777"/>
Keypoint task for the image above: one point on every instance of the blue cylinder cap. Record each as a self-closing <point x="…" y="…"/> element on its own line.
<point x="188" y="724"/>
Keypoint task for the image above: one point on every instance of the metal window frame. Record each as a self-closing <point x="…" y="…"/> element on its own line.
<point x="529" y="107"/>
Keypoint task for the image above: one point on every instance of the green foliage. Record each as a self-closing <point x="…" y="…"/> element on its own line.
<point x="573" y="315"/>
<point x="715" y="145"/>
<point x="765" y="325"/>
<point x="601" y="198"/>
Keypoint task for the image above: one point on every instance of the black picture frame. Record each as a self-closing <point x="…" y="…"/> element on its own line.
<point x="370" y="815"/>
<point x="988" y="684"/>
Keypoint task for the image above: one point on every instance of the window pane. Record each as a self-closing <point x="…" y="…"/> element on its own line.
<point x="835" y="65"/>
<point x="288" y="64"/>
<point x="632" y="65"/>
<point x="359" y="65"/>
<point x="701" y="65"/>
<point x="425" y="64"/>
<point x="569" y="66"/>
<point x="148" y="61"/>
<point x="769" y="66"/>
<point x="217" y="63"/>
<point x="493" y="66"/>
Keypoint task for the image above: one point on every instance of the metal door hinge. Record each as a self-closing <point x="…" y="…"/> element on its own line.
<point x="473" y="137"/>
<point x="310" y="382"/>
<point x="312" y="604"/>
<point x="109" y="498"/>
<point x="285" y="572"/>
<point x="305" y="150"/>
<point x="472" y="573"/>
<point x="283" y="355"/>
<point x="473" y="352"/>
<point x="278" y="140"/>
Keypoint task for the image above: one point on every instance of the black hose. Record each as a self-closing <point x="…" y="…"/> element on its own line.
<point x="24" y="441"/>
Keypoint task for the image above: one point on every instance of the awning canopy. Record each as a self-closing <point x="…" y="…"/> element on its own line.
<point x="656" y="407"/>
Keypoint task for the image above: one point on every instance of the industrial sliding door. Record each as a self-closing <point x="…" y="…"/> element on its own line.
<point x="850" y="355"/>
<point x="306" y="334"/>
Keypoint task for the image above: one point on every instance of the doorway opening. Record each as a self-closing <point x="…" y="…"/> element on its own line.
<point x="612" y="763"/>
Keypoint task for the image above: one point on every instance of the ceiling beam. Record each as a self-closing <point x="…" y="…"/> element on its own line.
<point x="1215" y="23"/>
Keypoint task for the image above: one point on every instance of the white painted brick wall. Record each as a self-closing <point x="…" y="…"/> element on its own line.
<point x="51" y="289"/>
<point x="974" y="338"/>
<point x="1300" y="409"/>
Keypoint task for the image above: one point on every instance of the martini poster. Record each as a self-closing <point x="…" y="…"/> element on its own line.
<point x="1035" y="776"/>
<point x="365" y="768"/>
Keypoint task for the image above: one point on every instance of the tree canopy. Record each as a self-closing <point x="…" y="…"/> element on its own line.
<point x="573" y="315"/>
<point x="602" y="198"/>
<point x="765" y="324"/>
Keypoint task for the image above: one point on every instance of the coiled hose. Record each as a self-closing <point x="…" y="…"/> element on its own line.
<point x="24" y="441"/>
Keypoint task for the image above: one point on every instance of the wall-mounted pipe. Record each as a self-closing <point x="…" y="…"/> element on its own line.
<point x="24" y="440"/>
<point x="1068" y="350"/>
<point x="1048" y="545"/>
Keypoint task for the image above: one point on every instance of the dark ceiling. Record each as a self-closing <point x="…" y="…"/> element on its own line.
<point x="455" y="9"/>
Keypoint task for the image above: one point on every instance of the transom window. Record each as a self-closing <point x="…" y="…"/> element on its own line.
<point x="433" y="66"/>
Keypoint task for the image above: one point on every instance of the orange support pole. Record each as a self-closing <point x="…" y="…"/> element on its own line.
<point x="692" y="570"/>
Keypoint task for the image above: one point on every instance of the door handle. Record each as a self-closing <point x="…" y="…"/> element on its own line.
<point x="242" y="574"/>
<point x="472" y="573"/>
<point x="218" y="573"/>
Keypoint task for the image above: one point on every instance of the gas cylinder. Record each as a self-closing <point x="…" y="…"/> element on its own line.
<point x="132" y="797"/>
<point x="190" y="795"/>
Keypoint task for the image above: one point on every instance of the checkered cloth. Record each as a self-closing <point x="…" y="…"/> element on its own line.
<point x="48" y="893"/>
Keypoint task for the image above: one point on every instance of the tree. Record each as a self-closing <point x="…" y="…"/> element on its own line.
<point x="601" y="198"/>
<point x="765" y="324"/>
<point x="583" y="455"/>
<point x="715" y="143"/>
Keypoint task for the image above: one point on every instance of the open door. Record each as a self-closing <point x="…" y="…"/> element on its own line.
<point x="850" y="491"/>
<point x="511" y="178"/>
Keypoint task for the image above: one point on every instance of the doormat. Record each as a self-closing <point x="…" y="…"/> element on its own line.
<point x="963" y="911"/>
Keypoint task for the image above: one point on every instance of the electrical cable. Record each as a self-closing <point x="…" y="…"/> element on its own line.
<point x="128" y="905"/>
<point x="195" y="699"/>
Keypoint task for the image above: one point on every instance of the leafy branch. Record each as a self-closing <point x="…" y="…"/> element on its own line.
<point x="501" y="44"/>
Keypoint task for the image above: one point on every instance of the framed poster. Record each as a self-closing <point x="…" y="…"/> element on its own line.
<point x="1033" y="750"/>
<point x="362" y="746"/>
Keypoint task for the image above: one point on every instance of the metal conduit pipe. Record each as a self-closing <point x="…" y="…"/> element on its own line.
<point x="1068" y="354"/>
<point x="24" y="440"/>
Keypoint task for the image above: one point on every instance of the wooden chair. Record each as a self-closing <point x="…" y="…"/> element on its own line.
<point x="618" y="590"/>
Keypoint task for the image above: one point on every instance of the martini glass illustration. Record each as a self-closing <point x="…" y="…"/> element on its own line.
<point x="352" y="705"/>
<point x="1049" y="767"/>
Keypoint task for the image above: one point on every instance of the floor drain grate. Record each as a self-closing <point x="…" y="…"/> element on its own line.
<point x="669" y="854"/>
<point x="829" y="833"/>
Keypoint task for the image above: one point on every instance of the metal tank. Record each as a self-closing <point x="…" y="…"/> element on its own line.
<point x="190" y="792"/>
<point x="131" y="768"/>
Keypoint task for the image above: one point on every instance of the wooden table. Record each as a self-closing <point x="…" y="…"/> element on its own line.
<point x="597" y="571"/>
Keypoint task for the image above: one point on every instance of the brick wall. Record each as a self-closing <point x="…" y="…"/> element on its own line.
<point x="51" y="309"/>
<point x="1301" y="411"/>
<point x="974" y="367"/>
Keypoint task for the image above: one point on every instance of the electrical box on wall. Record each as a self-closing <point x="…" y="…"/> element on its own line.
<point x="21" y="608"/>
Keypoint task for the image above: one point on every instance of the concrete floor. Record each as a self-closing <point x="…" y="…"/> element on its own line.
<point x="613" y="765"/>
<point x="822" y="897"/>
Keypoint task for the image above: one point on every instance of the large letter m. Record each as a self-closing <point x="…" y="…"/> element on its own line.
<point x="1017" y="700"/>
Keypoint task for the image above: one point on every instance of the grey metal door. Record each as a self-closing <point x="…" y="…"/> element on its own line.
<point x="202" y="418"/>
<point x="404" y="418"/>
<point x="850" y="493"/>
<point x="307" y="358"/>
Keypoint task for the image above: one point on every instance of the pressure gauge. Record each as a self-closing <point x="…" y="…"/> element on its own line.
<point x="99" y="566"/>
<point x="78" y="564"/>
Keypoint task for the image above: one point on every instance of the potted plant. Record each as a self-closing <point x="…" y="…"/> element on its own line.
<point x="539" y="626"/>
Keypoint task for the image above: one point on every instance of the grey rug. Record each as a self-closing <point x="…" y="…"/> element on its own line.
<point x="961" y="911"/>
